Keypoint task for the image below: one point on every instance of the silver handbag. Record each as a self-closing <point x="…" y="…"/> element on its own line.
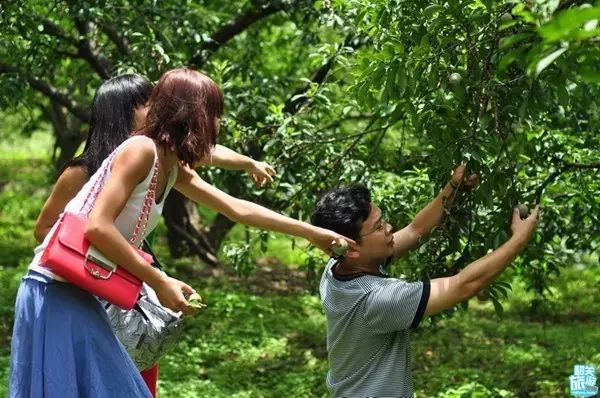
<point x="147" y="331"/>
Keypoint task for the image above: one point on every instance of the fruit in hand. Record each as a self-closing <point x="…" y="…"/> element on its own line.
<point x="195" y="301"/>
<point x="339" y="249"/>
<point x="523" y="211"/>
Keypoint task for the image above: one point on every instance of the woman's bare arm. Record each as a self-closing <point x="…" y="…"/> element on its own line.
<point x="67" y="186"/>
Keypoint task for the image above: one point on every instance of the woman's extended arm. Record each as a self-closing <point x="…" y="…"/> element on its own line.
<point x="245" y="212"/>
<point x="260" y="172"/>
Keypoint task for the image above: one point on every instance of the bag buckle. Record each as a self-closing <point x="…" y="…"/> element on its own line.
<point x="95" y="260"/>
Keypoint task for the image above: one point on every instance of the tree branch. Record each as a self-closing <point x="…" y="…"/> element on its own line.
<point x="232" y="29"/>
<point x="299" y="146"/>
<point x="77" y="109"/>
<point x="116" y="37"/>
<point x="334" y="166"/>
<point x="200" y="247"/>
<point x="297" y="99"/>
<point x="567" y="167"/>
<point x="88" y="51"/>
<point x="54" y="30"/>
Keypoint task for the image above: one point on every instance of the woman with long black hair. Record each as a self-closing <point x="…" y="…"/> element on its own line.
<point x="62" y="343"/>
<point x="119" y="107"/>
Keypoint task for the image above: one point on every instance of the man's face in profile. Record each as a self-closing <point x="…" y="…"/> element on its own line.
<point x="376" y="238"/>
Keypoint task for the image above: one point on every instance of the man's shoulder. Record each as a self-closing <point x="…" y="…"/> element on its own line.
<point x="339" y="289"/>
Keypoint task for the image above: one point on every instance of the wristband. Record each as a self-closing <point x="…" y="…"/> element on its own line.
<point x="453" y="185"/>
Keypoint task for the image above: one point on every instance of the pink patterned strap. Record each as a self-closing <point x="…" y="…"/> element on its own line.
<point x="93" y="193"/>
<point x="142" y="221"/>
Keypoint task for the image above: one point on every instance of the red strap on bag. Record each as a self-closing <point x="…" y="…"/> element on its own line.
<point x="69" y="254"/>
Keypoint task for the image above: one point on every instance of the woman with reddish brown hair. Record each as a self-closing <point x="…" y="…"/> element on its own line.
<point x="118" y="108"/>
<point x="62" y="343"/>
<point x="183" y="120"/>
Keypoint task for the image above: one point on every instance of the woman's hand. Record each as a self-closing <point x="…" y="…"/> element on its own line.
<point x="325" y="239"/>
<point x="172" y="292"/>
<point x="261" y="173"/>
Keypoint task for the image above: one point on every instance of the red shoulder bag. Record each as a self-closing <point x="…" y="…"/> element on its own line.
<point x="70" y="255"/>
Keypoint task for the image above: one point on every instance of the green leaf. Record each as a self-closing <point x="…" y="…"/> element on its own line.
<point x="514" y="39"/>
<point x="388" y="91"/>
<point x="548" y="59"/>
<point x="432" y="9"/>
<point x="567" y="22"/>
<point x="507" y="60"/>
<point x="563" y="95"/>
<point x="401" y="81"/>
<point x="497" y="306"/>
<point x="590" y="76"/>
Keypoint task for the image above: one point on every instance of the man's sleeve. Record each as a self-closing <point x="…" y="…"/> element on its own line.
<point x="397" y="305"/>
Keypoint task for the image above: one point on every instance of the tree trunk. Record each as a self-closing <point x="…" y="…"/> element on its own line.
<point x="67" y="143"/>
<point x="185" y="233"/>
<point x="68" y="134"/>
<point x="219" y="230"/>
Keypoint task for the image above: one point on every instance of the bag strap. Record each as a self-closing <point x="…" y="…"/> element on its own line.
<point x="146" y="247"/>
<point x="142" y="221"/>
<point x="93" y="193"/>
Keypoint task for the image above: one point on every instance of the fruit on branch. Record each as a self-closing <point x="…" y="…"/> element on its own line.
<point x="483" y="294"/>
<point x="455" y="79"/>
<point x="592" y="24"/>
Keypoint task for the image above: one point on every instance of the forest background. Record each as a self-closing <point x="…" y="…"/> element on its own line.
<point x="392" y="94"/>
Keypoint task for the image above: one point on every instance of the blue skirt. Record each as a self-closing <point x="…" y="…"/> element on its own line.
<point x="63" y="346"/>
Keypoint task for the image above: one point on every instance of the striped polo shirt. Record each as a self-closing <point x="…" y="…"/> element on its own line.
<point x="368" y="322"/>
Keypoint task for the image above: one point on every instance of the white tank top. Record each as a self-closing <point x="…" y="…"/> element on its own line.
<point x="128" y="217"/>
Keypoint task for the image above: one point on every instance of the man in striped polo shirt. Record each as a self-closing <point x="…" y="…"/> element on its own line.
<point x="368" y="313"/>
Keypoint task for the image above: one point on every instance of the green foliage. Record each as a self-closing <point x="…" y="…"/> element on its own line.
<point x="255" y="339"/>
<point x="393" y="94"/>
<point x="502" y="88"/>
<point x="525" y="353"/>
<point x="262" y="345"/>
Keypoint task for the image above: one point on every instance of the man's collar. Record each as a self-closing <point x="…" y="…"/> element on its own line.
<point x="354" y="275"/>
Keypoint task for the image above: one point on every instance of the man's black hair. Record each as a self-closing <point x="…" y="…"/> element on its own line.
<point x="343" y="210"/>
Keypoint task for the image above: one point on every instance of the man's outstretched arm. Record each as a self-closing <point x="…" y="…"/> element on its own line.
<point x="431" y="215"/>
<point x="446" y="292"/>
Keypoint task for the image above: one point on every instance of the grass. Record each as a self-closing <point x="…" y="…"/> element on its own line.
<point x="264" y="336"/>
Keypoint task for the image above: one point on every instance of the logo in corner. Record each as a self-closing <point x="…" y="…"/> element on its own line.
<point x="583" y="381"/>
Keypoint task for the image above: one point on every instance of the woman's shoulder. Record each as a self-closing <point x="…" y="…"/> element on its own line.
<point x="138" y="147"/>
<point x="140" y="140"/>
<point x="135" y="159"/>
<point x="73" y="176"/>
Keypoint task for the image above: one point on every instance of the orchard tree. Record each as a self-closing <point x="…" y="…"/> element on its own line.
<point x="506" y="87"/>
<point x="393" y="94"/>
